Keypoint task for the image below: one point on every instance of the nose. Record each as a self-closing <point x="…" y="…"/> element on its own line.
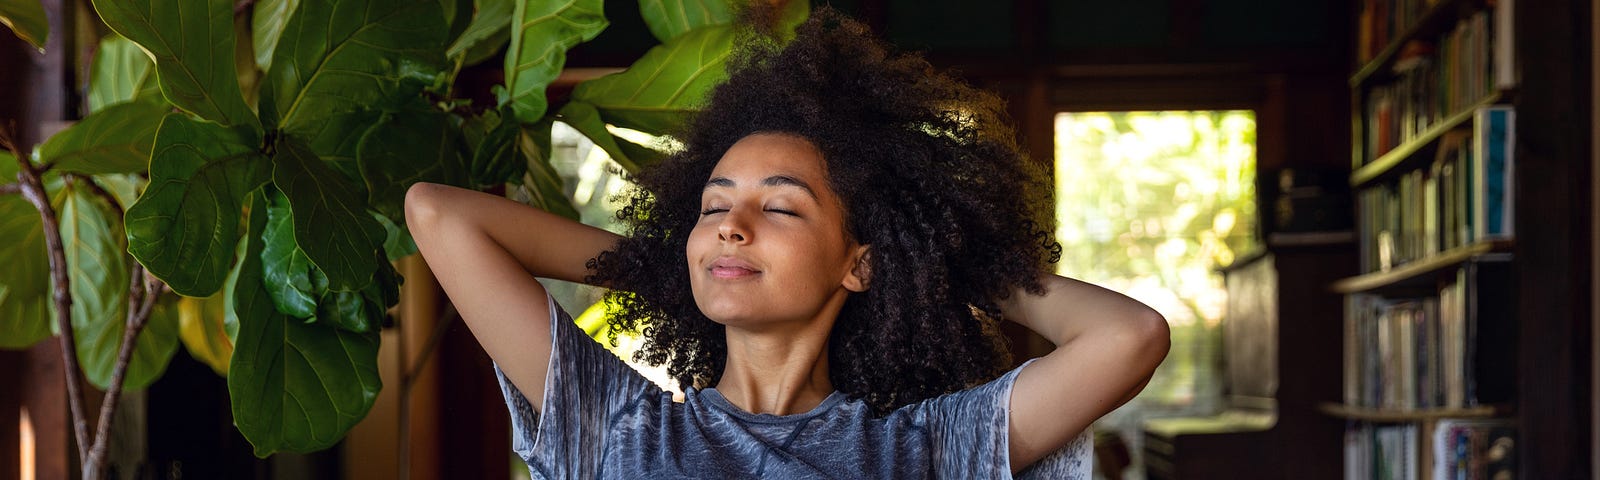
<point x="732" y="228"/>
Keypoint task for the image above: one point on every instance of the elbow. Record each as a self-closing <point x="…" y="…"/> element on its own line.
<point x="1153" y="338"/>
<point x="421" y="205"/>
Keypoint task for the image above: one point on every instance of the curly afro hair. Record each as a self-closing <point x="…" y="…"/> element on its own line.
<point x="930" y="177"/>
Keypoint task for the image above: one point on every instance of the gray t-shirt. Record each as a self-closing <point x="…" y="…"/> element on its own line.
<point x="604" y="420"/>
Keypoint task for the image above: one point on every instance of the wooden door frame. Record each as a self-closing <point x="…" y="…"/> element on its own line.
<point x="1594" y="235"/>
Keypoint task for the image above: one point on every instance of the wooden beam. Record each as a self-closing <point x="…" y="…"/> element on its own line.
<point x="1594" y="232"/>
<point x="1553" y="240"/>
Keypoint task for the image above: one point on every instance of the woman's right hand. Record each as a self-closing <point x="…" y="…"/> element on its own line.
<point x="485" y="251"/>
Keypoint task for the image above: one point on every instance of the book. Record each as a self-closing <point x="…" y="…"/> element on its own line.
<point x="1493" y="149"/>
<point x="1468" y="449"/>
<point x="1431" y="352"/>
<point x="1435" y="78"/>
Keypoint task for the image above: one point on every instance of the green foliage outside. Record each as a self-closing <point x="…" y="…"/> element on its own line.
<point x="1150" y="204"/>
<point x="261" y="159"/>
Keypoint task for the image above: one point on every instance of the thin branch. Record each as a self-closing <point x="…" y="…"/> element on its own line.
<point x="142" y="294"/>
<point x="97" y="190"/>
<point x="32" y="186"/>
<point x="10" y="188"/>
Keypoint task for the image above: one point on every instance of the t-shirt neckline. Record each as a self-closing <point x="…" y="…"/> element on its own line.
<point x="716" y="400"/>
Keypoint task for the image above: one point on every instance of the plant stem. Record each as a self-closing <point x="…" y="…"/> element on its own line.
<point x="32" y="187"/>
<point x="142" y="297"/>
<point x="98" y="191"/>
<point x="10" y="188"/>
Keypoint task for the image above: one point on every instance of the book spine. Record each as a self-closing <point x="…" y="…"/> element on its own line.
<point x="1494" y="141"/>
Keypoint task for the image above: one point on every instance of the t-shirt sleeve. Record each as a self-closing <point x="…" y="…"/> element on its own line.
<point x="583" y="388"/>
<point x="969" y="435"/>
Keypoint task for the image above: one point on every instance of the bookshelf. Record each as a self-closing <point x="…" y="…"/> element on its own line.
<point x="1430" y="351"/>
<point x="1380" y="415"/>
<point x="1415" y="275"/>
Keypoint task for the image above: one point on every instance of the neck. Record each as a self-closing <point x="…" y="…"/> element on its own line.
<point x="779" y="369"/>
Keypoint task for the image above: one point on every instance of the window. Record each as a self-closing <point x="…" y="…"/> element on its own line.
<point x="1149" y="204"/>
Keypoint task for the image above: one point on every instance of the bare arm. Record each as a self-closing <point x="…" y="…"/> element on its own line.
<point x="486" y="251"/>
<point x="1107" y="347"/>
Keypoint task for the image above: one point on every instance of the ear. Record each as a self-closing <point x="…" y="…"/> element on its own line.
<point x="860" y="275"/>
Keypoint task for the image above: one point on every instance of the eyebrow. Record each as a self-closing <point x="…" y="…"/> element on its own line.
<point x="772" y="181"/>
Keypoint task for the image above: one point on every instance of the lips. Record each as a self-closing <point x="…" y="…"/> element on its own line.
<point x="732" y="267"/>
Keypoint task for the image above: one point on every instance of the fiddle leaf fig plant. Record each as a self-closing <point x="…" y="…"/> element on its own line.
<point x="237" y="183"/>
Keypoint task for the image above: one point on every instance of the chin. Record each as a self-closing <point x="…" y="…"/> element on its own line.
<point x="728" y="312"/>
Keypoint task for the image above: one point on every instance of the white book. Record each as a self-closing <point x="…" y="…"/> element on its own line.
<point x="1505" y="60"/>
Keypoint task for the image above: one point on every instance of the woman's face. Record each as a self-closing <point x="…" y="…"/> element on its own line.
<point x="770" y="245"/>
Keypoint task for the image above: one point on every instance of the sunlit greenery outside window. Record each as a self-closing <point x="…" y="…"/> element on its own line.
<point x="1149" y="204"/>
<point x="593" y="182"/>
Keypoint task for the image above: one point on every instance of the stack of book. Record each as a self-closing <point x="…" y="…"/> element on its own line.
<point x="1468" y="449"/>
<point x="1381" y="452"/>
<point x="1463" y="197"/>
<point x="1409" y="354"/>
<point x="1384" y="20"/>
<point x="1463" y="449"/>
<point x="1447" y="350"/>
<point x="1433" y="80"/>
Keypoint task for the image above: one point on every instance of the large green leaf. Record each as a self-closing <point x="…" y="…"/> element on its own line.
<point x="25" y="280"/>
<point x="120" y="72"/>
<point x="362" y="311"/>
<point x="669" y="18"/>
<point x="655" y="94"/>
<point x="457" y="14"/>
<point x="493" y="136"/>
<point x="337" y="140"/>
<point x="98" y="275"/>
<point x="586" y="120"/>
<point x="26" y="18"/>
<point x="487" y="48"/>
<point x="244" y="61"/>
<point x="285" y="270"/>
<point x="185" y="225"/>
<point x="331" y="224"/>
<point x="405" y="148"/>
<point x="539" y="41"/>
<point x="492" y="21"/>
<point x="541" y="183"/>
<point x="192" y="42"/>
<point x="255" y="210"/>
<point x="266" y="27"/>
<point x="342" y="56"/>
<point x="294" y="386"/>
<point x="123" y="187"/>
<point x="397" y="241"/>
<point x="114" y="140"/>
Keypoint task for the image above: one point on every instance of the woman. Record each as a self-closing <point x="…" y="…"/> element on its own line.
<point x="822" y="267"/>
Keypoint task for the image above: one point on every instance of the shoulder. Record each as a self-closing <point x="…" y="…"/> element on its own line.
<point x="970" y="434"/>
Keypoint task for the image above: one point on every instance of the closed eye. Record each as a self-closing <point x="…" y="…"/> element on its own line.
<point x="785" y="212"/>
<point x="712" y="210"/>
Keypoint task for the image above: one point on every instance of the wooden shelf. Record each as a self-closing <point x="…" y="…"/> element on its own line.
<point x="1386" y="415"/>
<point x="1408" y="150"/>
<point x="1416" y="270"/>
<point x="1436" y="21"/>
